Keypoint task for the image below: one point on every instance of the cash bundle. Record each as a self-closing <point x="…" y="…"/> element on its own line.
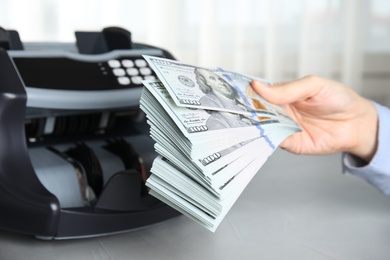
<point x="212" y="132"/>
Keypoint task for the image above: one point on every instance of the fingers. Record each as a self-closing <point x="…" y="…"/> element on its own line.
<point x="290" y="92"/>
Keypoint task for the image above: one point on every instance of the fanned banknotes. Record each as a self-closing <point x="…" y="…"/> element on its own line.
<point x="212" y="134"/>
<point x="221" y="90"/>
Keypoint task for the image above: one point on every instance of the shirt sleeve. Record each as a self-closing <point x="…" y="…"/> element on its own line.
<point x="377" y="172"/>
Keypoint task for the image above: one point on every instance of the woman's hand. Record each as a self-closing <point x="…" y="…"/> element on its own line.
<point x="333" y="117"/>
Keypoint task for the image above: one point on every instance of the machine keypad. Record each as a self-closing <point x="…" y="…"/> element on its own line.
<point x="130" y="70"/>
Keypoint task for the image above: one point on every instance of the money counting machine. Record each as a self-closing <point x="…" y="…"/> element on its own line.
<point x="74" y="147"/>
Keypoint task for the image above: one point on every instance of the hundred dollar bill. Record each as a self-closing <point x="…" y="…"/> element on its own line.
<point x="213" y="169"/>
<point x="197" y="87"/>
<point x="208" y="166"/>
<point x="207" y="205"/>
<point x="166" y="133"/>
<point x="193" y="138"/>
<point x="242" y="82"/>
<point x="206" y="130"/>
<point x="169" y="185"/>
<point x="208" y="156"/>
<point x="216" y="180"/>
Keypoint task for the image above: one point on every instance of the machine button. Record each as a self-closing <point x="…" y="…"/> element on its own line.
<point x="127" y="63"/>
<point x="124" y="80"/>
<point x="132" y="72"/>
<point x="150" y="77"/>
<point x="114" y="63"/>
<point x="140" y="63"/>
<point x="145" y="71"/>
<point x="137" y="80"/>
<point x="119" y="72"/>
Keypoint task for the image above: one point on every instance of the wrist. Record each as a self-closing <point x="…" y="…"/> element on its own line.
<point x="366" y="142"/>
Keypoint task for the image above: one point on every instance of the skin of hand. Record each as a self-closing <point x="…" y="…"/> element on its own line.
<point x="332" y="116"/>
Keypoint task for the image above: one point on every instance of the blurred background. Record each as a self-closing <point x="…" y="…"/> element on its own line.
<point x="346" y="40"/>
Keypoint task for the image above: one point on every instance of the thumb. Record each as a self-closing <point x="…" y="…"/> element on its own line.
<point x="288" y="92"/>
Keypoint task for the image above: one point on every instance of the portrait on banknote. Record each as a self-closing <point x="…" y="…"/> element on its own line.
<point x="218" y="92"/>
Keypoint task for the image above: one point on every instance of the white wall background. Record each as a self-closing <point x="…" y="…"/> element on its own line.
<point x="347" y="40"/>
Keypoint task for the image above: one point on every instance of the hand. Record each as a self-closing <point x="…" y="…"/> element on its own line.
<point x="333" y="117"/>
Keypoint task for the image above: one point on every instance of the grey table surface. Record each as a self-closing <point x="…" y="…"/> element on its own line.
<point x="296" y="207"/>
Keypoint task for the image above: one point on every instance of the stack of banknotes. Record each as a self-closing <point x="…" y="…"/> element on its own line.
<point x="212" y="132"/>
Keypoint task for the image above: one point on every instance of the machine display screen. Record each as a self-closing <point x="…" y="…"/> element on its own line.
<point x="67" y="74"/>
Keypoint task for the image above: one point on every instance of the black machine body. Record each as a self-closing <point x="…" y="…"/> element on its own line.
<point x="75" y="148"/>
